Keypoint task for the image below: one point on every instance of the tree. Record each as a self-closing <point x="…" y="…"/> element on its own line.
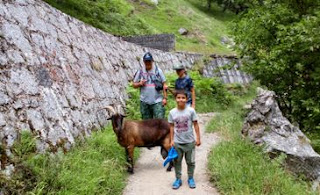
<point x="236" y="6"/>
<point x="281" y="45"/>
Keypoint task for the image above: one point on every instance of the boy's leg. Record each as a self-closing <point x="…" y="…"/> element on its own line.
<point x="177" y="161"/>
<point x="158" y="110"/>
<point x="190" y="158"/>
<point x="145" y="111"/>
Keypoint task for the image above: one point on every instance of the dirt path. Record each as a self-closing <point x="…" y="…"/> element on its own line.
<point x="151" y="178"/>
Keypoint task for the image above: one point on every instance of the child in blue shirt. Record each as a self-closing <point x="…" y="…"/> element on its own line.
<point x="184" y="82"/>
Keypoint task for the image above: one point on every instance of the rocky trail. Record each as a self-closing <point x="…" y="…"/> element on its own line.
<point x="151" y="178"/>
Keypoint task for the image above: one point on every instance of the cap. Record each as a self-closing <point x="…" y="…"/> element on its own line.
<point x="172" y="154"/>
<point x="178" y="67"/>
<point x="147" y="57"/>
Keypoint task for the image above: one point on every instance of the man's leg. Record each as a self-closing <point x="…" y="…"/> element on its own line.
<point x="145" y="110"/>
<point x="158" y="110"/>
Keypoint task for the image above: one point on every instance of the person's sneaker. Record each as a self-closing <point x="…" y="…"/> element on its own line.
<point x="191" y="183"/>
<point x="176" y="184"/>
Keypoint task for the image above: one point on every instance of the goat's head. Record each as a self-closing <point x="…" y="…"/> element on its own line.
<point x="116" y="117"/>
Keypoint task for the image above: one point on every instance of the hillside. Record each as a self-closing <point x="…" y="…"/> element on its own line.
<point x="137" y="17"/>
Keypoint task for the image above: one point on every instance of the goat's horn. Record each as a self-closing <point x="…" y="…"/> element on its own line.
<point x="110" y="108"/>
<point x="119" y="109"/>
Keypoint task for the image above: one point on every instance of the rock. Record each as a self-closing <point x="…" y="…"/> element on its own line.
<point x="154" y="2"/>
<point x="183" y="31"/>
<point x="9" y="169"/>
<point x="227" y="41"/>
<point x="247" y="107"/>
<point x="265" y="125"/>
<point x="35" y="120"/>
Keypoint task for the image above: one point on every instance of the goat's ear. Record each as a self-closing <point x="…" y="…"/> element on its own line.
<point x="123" y="115"/>
<point x="109" y="118"/>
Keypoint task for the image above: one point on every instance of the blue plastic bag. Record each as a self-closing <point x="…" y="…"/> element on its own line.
<point x="171" y="156"/>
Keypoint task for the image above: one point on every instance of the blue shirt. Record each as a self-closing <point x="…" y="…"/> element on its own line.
<point x="186" y="84"/>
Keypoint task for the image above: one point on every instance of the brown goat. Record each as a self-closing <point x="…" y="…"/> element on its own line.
<point x="145" y="133"/>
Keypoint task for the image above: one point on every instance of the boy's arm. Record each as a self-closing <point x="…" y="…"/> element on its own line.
<point x="171" y="134"/>
<point x="193" y="93"/>
<point x="197" y="129"/>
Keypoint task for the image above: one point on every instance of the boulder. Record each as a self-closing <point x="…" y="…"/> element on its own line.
<point x="265" y="125"/>
<point x="183" y="31"/>
<point x="156" y="2"/>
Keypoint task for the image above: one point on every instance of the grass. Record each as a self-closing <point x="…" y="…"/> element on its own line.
<point x="121" y="17"/>
<point x="113" y="16"/>
<point x="238" y="167"/>
<point x="206" y="27"/>
<point x="95" y="165"/>
<point x="314" y="137"/>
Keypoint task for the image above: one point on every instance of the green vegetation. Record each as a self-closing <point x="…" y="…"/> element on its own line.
<point x="213" y="95"/>
<point x="121" y="17"/>
<point x="113" y="16"/>
<point x="239" y="167"/>
<point x="205" y="27"/>
<point x="95" y="165"/>
<point x="236" y="6"/>
<point x="282" y="43"/>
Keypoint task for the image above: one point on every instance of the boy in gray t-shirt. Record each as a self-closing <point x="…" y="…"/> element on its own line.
<point x="181" y="120"/>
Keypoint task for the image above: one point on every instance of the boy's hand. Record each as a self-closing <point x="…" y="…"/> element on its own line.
<point x="172" y="143"/>
<point x="198" y="142"/>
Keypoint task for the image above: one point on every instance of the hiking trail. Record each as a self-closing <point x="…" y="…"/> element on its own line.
<point x="151" y="178"/>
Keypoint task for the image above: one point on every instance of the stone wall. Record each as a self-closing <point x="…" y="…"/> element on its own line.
<point x="56" y="72"/>
<point x="164" y="42"/>
<point x="215" y="69"/>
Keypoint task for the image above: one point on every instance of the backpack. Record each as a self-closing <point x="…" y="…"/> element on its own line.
<point x="157" y="80"/>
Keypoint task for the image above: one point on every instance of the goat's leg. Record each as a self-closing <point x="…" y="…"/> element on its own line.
<point x="170" y="166"/>
<point x="127" y="157"/>
<point x="129" y="153"/>
<point x="164" y="151"/>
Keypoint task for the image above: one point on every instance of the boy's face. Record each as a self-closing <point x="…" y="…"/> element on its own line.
<point x="181" y="99"/>
<point x="180" y="72"/>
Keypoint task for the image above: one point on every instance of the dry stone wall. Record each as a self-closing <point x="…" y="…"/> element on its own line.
<point x="56" y="72"/>
<point x="216" y="68"/>
<point x="164" y="42"/>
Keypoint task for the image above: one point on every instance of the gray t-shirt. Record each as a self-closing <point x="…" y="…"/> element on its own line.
<point x="183" y="124"/>
<point x="148" y="93"/>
